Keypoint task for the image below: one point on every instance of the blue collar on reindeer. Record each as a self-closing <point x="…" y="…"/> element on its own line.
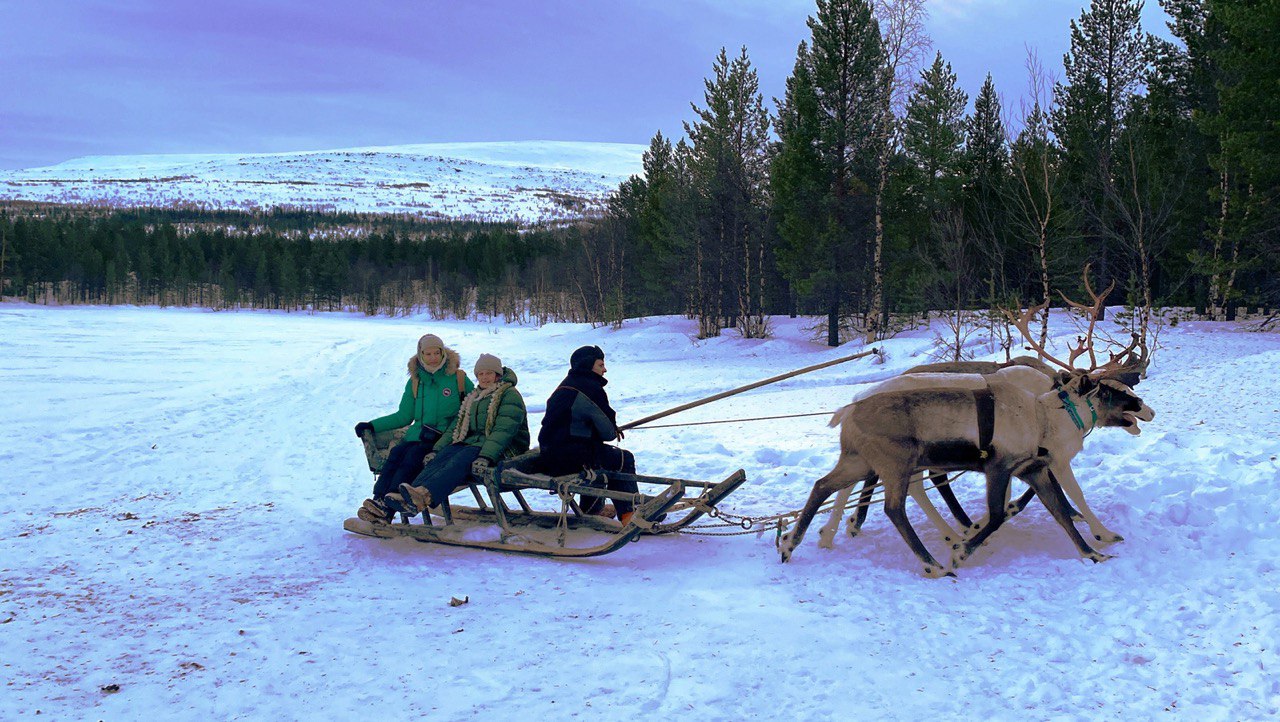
<point x="1070" y="406"/>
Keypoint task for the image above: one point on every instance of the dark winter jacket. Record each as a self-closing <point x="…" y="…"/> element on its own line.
<point x="430" y="399"/>
<point x="578" y="420"/>
<point x="500" y="432"/>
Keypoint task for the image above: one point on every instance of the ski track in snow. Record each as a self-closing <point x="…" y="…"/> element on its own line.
<point x="177" y="481"/>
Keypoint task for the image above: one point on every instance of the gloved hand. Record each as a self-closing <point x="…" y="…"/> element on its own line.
<point x="362" y="427"/>
<point x="427" y="459"/>
<point x="621" y="435"/>
<point x="481" y="466"/>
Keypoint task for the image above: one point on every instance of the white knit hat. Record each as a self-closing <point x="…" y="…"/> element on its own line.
<point x="430" y="340"/>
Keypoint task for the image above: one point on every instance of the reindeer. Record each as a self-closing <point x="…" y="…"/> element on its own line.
<point x="1126" y="367"/>
<point x="891" y="435"/>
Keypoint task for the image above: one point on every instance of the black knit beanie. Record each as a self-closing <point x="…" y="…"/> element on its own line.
<point x="584" y="358"/>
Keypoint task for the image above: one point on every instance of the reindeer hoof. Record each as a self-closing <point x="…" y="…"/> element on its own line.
<point x="1098" y="557"/>
<point x="826" y="539"/>
<point x="785" y="548"/>
<point x="1108" y="537"/>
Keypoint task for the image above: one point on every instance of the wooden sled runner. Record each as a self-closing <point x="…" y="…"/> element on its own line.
<point x="503" y="518"/>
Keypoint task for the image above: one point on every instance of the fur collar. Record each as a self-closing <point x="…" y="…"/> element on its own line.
<point x="451" y="363"/>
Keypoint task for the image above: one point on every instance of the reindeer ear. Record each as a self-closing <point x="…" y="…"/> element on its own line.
<point x="1061" y="378"/>
<point x="1129" y="378"/>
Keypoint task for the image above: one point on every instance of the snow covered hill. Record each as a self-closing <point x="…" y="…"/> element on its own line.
<point x="533" y="180"/>
<point x="171" y="542"/>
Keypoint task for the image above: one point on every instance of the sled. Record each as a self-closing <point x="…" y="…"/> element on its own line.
<point x="504" y="519"/>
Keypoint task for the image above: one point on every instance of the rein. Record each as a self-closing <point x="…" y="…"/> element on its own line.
<point x="733" y="421"/>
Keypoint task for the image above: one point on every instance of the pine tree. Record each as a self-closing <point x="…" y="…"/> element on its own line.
<point x="1105" y="66"/>
<point x="1247" y="130"/>
<point x="799" y="181"/>
<point x="663" y="230"/>
<point x="840" y="81"/>
<point x="729" y="143"/>
<point x="933" y="138"/>
<point x="986" y="170"/>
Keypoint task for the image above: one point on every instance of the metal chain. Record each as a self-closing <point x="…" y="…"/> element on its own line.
<point x="748" y="524"/>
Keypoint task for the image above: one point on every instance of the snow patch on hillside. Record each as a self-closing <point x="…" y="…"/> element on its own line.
<point x="528" y="180"/>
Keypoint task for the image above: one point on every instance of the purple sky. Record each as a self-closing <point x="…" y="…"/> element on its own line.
<point x="101" y="77"/>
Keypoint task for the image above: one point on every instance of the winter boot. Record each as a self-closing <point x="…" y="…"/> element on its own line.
<point x="397" y="503"/>
<point x="625" y="517"/>
<point x="374" y="511"/>
<point x="415" y="496"/>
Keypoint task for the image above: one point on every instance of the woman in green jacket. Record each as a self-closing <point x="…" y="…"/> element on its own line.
<point x="432" y="396"/>
<point x="492" y="425"/>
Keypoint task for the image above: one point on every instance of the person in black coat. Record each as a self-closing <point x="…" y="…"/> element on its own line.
<point x="578" y="422"/>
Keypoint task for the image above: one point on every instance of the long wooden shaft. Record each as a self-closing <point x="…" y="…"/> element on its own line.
<point x="740" y="389"/>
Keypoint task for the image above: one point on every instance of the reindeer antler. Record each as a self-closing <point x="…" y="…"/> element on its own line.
<point x="1023" y="324"/>
<point x="1118" y="360"/>
<point x="1091" y="311"/>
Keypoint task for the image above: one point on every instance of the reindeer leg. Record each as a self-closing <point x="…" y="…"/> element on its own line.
<point x="864" y="503"/>
<point x="827" y="534"/>
<point x="1066" y="480"/>
<point x="822" y="488"/>
<point x="1051" y="495"/>
<point x="997" y="488"/>
<point x="1016" y="507"/>
<point x="943" y="485"/>
<point x="1013" y="508"/>
<point x="916" y="491"/>
<point x="895" y="507"/>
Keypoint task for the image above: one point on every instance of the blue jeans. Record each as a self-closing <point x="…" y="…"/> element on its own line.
<point x="452" y="466"/>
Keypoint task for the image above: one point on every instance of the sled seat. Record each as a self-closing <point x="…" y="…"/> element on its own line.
<point x="377" y="446"/>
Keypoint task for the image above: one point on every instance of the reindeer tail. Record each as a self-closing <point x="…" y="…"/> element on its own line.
<point x="839" y="417"/>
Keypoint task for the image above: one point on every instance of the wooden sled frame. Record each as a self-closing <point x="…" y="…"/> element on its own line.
<point x="519" y="526"/>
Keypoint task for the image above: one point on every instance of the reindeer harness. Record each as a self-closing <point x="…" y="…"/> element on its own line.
<point x="1070" y="406"/>
<point x="986" y="407"/>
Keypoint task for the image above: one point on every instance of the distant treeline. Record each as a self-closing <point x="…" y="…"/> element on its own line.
<point x="287" y="259"/>
<point x="871" y="194"/>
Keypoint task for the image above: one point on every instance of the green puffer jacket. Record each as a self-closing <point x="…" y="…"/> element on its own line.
<point x="499" y="435"/>
<point x="435" y="402"/>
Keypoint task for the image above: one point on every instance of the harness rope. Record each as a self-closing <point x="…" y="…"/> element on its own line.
<point x="732" y="421"/>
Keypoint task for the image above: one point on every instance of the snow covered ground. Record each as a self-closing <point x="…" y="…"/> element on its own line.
<point x="176" y="482"/>
<point x="531" y="180"/>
